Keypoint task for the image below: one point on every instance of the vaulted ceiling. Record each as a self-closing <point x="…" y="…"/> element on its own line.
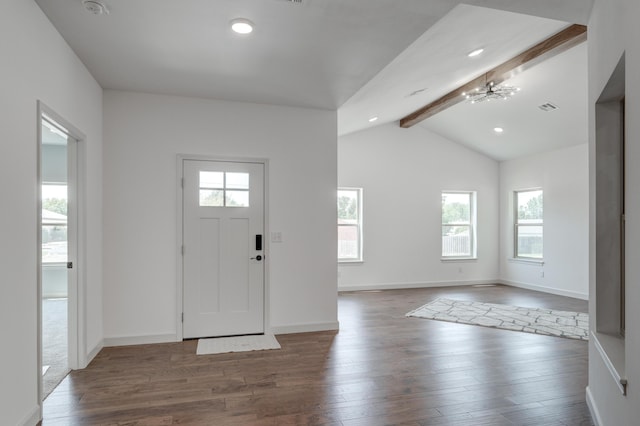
<point x="363" y="58"/>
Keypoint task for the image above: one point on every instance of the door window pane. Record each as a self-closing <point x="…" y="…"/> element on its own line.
<point x="212" y="180"/>
<point x="237" y="181"/>
<point x="224" y="189"/>
<point x="211" y="198"/>
<point x="237" y="198"/>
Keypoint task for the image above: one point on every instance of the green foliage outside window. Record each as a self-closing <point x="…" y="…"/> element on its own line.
<point x="57" y="205"/>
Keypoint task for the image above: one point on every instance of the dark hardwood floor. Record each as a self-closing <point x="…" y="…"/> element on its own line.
<point x="380" y="369"/>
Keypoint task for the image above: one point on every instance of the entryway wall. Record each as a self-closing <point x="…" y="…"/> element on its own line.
<point x="39" y="65"/>
<point x="143" y="136"/>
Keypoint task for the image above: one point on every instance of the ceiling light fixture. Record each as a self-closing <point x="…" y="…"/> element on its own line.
<point x="475" y="52"/>
<point x="498" y="129"/>
<point x="242" y="26"/>
<point x="372" y="119"/>
<point x="490" y="92"/>
<point x="96" y="7"/>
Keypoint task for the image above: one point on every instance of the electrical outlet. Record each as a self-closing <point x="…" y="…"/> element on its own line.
<point x="276" y="237"/>
<point x="460" y="270"/>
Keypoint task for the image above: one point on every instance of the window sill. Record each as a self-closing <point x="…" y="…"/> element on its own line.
<point x="350" y="262"/>
<point x="527" y="261"/>
<point x="54" y="264"/>
<point x="458" y="259"/>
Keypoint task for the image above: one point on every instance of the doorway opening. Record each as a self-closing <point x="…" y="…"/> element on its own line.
<point x="57" y="287"/>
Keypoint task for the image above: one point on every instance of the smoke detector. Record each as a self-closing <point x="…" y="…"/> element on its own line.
<point x="96" y="7"/>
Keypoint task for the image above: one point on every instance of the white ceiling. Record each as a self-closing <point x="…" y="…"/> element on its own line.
<point x="561" y="80"/>
<point x="349" y="55"/>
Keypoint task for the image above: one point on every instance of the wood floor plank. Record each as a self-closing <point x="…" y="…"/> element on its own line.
<point x="381" y="368"/>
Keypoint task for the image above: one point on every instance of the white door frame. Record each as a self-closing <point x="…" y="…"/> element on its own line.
<point x="180" y="233"/>
<point x="77" y="357"/>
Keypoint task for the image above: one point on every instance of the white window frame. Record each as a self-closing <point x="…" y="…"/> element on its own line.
<point x="517" y="226"/>
<point x="472" y="226"/>
<point x="358" y="226"/>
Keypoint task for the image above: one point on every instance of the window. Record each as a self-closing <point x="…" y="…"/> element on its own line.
<point x="458" y="225"/>
<point x="54" y="223"/>
<point x="350" y="224"/>
<point x="528" y="231"/>
<point x="224" y="189"/>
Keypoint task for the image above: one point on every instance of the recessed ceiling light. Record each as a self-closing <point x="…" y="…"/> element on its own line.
<point x="242" y="26"/>
<point x="498" y="129"/>
<point x="372" y="119"/>
<point x="475" y="52"/>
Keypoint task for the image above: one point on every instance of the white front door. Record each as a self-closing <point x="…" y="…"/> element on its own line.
<point x="223" y="248"/>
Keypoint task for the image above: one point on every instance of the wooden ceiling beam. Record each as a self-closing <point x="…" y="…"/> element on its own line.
<point x="554" y="45"/>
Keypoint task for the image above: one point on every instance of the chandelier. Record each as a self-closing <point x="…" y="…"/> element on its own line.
<point x="490" y="92"/>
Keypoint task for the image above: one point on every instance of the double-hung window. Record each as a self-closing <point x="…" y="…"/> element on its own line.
<point x="350" y="224"/>
<point x="528" y="227"/>
<point x="458" y="224"/>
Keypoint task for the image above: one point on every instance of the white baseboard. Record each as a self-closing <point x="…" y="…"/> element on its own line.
<point x="169" y="338"/>
<point x="398" y="286"/>
<point x="551" y="290"/>
<point x="305" y="328"/>
<point x="139" y="340"/>
<point x="33" y="418"/>
<point x="593" y="409"/>
<point x="92" y="354"/>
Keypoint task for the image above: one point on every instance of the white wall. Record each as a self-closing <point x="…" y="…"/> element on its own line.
<point x="143" y="136"/>
<point x="38" y="65"/>
<point x="403" y="172"/>
<point x="613" y="30"/>
<point x="563" y="176"/>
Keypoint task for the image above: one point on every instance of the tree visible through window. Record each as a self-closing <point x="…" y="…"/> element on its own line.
<point x="458" y="224"/>
<point x="350" y="224"/>
<point x="528" y="223"/>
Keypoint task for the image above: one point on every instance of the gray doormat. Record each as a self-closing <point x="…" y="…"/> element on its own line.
<point x="572" y="325"/>
<point x="220" y="345"/>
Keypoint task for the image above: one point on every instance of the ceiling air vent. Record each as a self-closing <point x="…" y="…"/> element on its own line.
<point x="292" y="1"/>
<point x="548" y="107"/>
